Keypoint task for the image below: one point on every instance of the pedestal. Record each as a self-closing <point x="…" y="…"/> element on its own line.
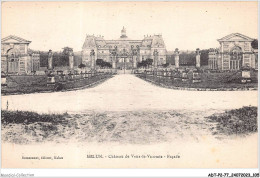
<point x="3" y="81"/>
<point x="114" y="64"/>
<point x="246" y="76"/>
<point x="71" y="62"/>
<point x="50" y="80"/>
<point x="184" y="77"/>
<point x="196" y="77"/>
<point x="134" y="62"/>
<point x="176" y="61"/>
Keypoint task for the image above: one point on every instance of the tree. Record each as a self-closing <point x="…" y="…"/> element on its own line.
<point x="139" y="64"/>
<point x="77" y="58"/>
<point x="187" y="59"/>
<point x="149" y="62"/>
<point x="165" y="65"/>
<point x="254" y="44"/>
<point x="59" y="58"/>
<point x="64" y="58"/>
<point x="66" y="50"/>
<point x="142" y="64"/>
<point x="99" y="62"/>
<point x="43" y="59"/>
<point x="102" y="63"/>
<point x="107" y="64"/>
<point x="82" y="66"/>
<point x="204" y="57"/>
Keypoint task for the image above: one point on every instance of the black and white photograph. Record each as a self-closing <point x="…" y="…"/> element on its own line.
<point x="129" y="84"/>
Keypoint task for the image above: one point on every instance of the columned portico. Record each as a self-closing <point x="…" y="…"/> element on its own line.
<point x="234" y="53"/>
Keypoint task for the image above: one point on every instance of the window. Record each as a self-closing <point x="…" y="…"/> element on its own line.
<point x="226" y="47"/>
<point x="22" y="48"/>
<point x="226" y="62"/>
<point x="2" y="49"/>
<point x="247" y="47"/>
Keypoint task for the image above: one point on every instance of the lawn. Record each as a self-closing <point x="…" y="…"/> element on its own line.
<point x="134" y="127"/>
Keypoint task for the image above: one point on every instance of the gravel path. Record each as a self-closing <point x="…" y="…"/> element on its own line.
<point x="126" y="115"/>
<point x="129" y="93"/>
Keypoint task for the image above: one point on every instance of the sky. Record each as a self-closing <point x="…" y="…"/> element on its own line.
<point x="183" y="25"/>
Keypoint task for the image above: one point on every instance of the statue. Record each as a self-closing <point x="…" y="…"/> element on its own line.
<point x="50" y="53"/>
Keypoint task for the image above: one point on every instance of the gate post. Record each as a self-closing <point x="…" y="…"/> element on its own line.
<point x="197" y="58"/>
<point x="176" y="58"/>
<point x="50" y="55"/>
<point x="71" y="60"/>
<point x="155" y="54"/>
<point x="93" y="61"/>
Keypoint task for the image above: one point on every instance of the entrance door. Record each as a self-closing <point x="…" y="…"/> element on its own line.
<point x="236" y="58"/>
<point x="12" y="61"/>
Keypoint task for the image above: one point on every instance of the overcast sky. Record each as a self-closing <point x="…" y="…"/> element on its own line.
<point x="183" y="25"/>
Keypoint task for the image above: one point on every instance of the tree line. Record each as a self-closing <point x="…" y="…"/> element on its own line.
<point x="59" y="59"/>
<point x="189" y="58"/>
<point x="103" y="64"/>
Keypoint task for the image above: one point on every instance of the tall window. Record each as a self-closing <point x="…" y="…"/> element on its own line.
<point x="247" y="46"/>
<point x="2" y="49"/>
<point x="22" y="48"/>
<point x="236" y="58"/>
<point x="225" y="47"/>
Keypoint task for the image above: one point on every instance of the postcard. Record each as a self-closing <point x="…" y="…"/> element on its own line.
<point x="129" y="84"/>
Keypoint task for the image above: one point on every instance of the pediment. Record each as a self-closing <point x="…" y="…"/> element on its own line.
<point x="236" y="37"/>
<point x="14" y="39"/>
<point x="11" y="41"/>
